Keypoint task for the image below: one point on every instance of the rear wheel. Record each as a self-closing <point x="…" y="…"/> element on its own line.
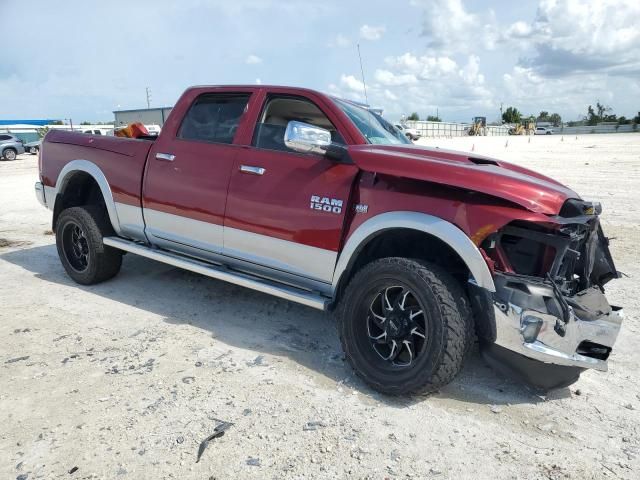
<point x="9" y="154"/>
<point x="404" y="325"/>
<point x="79" y="233"/>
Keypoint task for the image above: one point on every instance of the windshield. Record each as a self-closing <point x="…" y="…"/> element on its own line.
<point x="375" y="128"/>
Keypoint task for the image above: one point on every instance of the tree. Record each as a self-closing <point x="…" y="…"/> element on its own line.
<point x="85" y="123"/>
<point x="42" y="131"/>
<point x="543" y="117"/>
<point x="57" y="122"/>
<point x="433" y="118"/>
<point x="636" y="119"/>
<point x="511" y="115"/>
<point x="414" y="117"/>
<point x="556" y="119"/>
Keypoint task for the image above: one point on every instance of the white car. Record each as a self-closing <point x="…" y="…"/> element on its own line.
<point x="543" y="131"/>
<point x="410" y="133"/>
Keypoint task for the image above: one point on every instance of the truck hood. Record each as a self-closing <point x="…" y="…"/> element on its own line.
<point x="519" y="185"/>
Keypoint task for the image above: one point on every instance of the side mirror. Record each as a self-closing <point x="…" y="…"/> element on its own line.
<point x="304" y="138"/>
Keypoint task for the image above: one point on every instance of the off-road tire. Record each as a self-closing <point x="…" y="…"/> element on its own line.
<point x="450" y="325"/>
<point x="9" y="152"/>
<point x="103" y="262"/>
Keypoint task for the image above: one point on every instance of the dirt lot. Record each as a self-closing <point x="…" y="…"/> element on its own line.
<point x="125" y="379"/>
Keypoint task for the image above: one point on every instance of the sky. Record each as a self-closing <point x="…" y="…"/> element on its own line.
<point x="459" y="58"/>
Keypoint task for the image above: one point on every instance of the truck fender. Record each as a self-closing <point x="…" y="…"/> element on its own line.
<point x="94" y="171"/>
<point x="437" y="227"/>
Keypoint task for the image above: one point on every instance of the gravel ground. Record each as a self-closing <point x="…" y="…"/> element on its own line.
<point x="125" y="379"/>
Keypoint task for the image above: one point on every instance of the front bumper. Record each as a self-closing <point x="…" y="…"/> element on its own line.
<point x="528" y="322"/>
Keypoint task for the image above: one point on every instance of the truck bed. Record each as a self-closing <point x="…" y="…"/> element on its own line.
<point x="121" y="159"/>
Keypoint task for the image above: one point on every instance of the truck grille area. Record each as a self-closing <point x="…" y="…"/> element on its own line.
<point x="574" y="255"/>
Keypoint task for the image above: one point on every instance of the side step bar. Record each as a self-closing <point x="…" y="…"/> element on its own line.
<point x="221" y="273"/>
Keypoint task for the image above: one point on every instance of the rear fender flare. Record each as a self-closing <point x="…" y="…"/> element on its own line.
<point x="437" y="227"/>
<point x="94" y="171"/>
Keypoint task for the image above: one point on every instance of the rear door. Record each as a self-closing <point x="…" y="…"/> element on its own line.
<point x="286" y="210"/>
<point x="188" y="171"/>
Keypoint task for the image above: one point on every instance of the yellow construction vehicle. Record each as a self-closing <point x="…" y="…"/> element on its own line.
<point x="478" y="126"/>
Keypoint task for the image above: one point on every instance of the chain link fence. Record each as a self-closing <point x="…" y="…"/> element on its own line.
<point x="446" y="129"/>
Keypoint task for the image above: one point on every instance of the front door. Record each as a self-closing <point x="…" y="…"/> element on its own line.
<point x="188" y="172"/>
<point x="286" y="210"/>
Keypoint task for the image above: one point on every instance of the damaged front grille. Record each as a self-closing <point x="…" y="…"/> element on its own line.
<point x="572" y="251"/>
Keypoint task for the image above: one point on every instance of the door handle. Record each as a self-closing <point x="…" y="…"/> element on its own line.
<point x="252" y="170"/>
<point x="165" y="156"/>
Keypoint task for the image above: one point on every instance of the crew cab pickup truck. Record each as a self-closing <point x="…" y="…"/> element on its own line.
<point x="320" y="201"/>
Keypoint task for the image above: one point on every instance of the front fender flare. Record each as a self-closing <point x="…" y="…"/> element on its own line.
<point x="437" y="227"/>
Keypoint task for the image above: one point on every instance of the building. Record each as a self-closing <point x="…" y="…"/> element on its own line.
<point x="147" y="116"/>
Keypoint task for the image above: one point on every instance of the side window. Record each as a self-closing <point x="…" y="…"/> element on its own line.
<point x="5" y="137"/>
<point x="278" y="112"/>
<point x="214" y="118"/>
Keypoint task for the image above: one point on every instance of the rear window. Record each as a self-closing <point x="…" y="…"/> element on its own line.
<point x="214" y="118"/>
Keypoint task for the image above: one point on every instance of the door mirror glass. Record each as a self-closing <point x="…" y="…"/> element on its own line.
<point x="305" y="138"/>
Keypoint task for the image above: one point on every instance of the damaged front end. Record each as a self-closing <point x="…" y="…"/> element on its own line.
<point x="549" y="319"/>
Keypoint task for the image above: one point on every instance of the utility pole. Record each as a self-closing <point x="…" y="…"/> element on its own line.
<point x="148" y="97"/>
<point x="502" y="121"/>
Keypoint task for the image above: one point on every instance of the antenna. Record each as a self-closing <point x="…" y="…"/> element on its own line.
<point x="364" y="85"/>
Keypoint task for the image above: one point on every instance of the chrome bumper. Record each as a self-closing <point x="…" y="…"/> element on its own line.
<point x="39" y="187"/>
<point x="514" y="332"/>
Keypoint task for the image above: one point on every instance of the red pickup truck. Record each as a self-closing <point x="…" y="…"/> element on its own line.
<point x="320" y="201"/>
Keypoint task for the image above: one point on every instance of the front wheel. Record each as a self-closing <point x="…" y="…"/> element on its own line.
<point x="33" y="150"/>
<point x="405" y="326"/>
<point x="79" y="233"/>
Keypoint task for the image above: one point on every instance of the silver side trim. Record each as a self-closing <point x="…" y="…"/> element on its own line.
<point x="292" y="257"/>
<point x="435" y="226"/>
<point x="220" y="273"/>
<point x="93" y="170"/>
<point x="162" y="226"/>
<point x="131" y="221"/>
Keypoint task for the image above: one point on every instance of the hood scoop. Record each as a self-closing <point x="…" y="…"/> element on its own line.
<point x="482" y="161"/>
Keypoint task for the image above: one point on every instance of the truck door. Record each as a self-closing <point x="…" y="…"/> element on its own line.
<point x="188" y="172"/>
<point x="286" y="210"/>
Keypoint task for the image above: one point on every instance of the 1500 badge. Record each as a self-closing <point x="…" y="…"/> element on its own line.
<point x="326" y="204"/>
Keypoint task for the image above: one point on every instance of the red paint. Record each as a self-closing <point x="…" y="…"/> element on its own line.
<point x="204" y="182"/>
<point x="500" y="179"/>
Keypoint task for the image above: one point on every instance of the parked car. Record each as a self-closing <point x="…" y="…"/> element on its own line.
<point x="10" y="146"/>
<point x="319" y="201"/>
<point x="410" y="133"/>
<point x="543" y="131"/>
<point x="33" y="147"/>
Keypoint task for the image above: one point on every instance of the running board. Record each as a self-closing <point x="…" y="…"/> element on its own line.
<point x="221" y="273"/>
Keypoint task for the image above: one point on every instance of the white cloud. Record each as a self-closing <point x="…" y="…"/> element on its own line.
<point x="340" y="41"/>
<point x="581" y="36"/>
<point x="390" y="95"/>
<point x="387" y="78"/>
<point x="253" y="60"/>
<point x="371" y="33"/>
<point x="351" y="83"/>
<point x="258" y="81"/>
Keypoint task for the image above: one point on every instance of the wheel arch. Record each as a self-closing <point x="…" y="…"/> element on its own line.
<point x="441" y="231"/>
<point x="76" y="173"/>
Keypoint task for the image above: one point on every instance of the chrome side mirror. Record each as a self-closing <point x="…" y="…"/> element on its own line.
<point x="304" y="138"/>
